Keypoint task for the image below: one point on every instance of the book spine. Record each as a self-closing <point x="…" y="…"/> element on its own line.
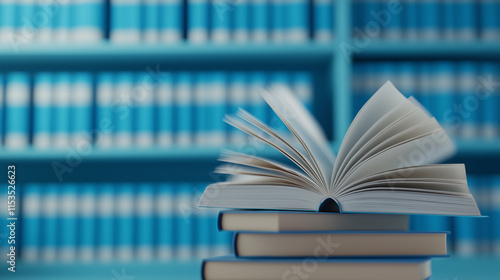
<point x="429" y="24"/>
<point x="465" y="227"/>
<point x="411" y="19"/>
<point x="468" y="102"/>
<point x="144" y="111"/>
<point x="277" y="79"/>
<point x="183" y="98"/>
<point x="184" y="222"/>
<point x="483" y="199"/>
<point x="123" y="113"/>
<point x="68" y="215"/>
<point x="17" y="102"/>
<point x="425" y="72"/>
<point x="257" y="106"/>
<point x="495" y="222"/>
<point x="443" y="91"/>
<point x="259" y="21"/>
<point x="24" y="12"/>
<point x="61" y="22"/>
<point x="105" y="223"/>
<point x="42" y="103"/>
<point x="164" y="209"/>
<point x="104" y="117"/>
<point x="164" y="101"/>
<point x="202" y="227"/>
<point x="449" y="20"/>
<point x="198" y="23"/>
<point x="87" y="20"/>
<point x="43" y="18"/>
<point x="241" y="21"/>
<point x="361" y="74"/>
<point x="217" y="109"/>
<point x="201" y="99"/>
<point x="407" y="80"/>
<point x="62" y="97"/>
<point x="278" y="18"/>
<point x="145" y="221"/>
<point x="49" y="211"/>
<point x="81" y="105"/>
<point x="297" y="21"/>
<point x="87" y="205"/>
<point x="391" y="16"/>
<point x="490" y="100"/>
<point x="220" y="22"/>
<point x="223" y="241"/>
<point x="302" y="83"/>
<point x="150" y="21"/>
<point x="125" y="221"/>
<point x="125" y="21"/>
<point x="171" y="27"/>
<point x="489" y="19"/>
<point x="7" y="20"/>
<point x="32" y="226"/>
<point x="323" y="19"/>
<point x="466" y="19"/>
<point x="237" y="99"/>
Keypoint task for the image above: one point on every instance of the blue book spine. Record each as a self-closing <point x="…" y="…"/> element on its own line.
<point x="465" y="227"/>
<point x="32" y="226"/>
<point x="490" y="23"/>
<point x="183" y="98"/>
<point x="279" y="19"/>
<point x="259" y="20"/>
<point x="68" y="222"/>
<point x="466" y="19"/>
<point x="443" y="94"/>
<point x="104" y="110"/>
<point x="468" y="102"/>
<point x="145" y="221"/>
<point x="410" y="19"/>
<point x="360" y="95"/>
<point x="323" y="19"/>
<point x="122" y="111"/>
<point x="62" y="113"/>
<point x="49" y="229"/>
<point x="42" y="103"/>
<point x="203" y="227"/>
<point x="201" y="100"/>
<point x="81" y="105"/>
<point x="391" y="16"/>
<point x="407" y="80"/>
<point x="303" y="88"/>
<point x="216" y="101"/>
<point x="24" y="33"/>
<point x="171" y="20"/>
<point x="241" y="21"/>
<point x="490" y="101"/>
<point x="237" y="99"/>
<point x="429" y="24"/>
<point x="144" y="112"/>
<point x="276" y="80"/>
<point x="198" y="23"/>
<point x="7" y="20"/>
<point x="105" y="222"/>
<point x="165" y="109"/>
<point x="17" y="102"/>
<point x="125" y="22"/>
<point x="448" y="19"/>
<point x="297" y="20"/>
<point x="87" y="20"/>
<point x="164" y="209"/>
<point x="425" y="74"/>
<point x="87" y="222"/>
<point x="184" y="221"/>
<point x="43" y="18"/>
<point x="220" y="22"/>
<point x="484" y="202"/>
<point x="125" y="221"/>
<point x="495" y="216"/>
<point x="150" y="17"/>
<point x="61" y="22"/>
<point x="256" y="104"/>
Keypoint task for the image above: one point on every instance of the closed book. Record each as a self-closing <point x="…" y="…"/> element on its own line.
<point x="198" y="22"/>
<point x="123" y="115"/>
<point x="67" y="213"/>
<point x="277" y="221"/>
<point x="125" y="21"/>
<point x="237" y="93"/>
<point x="340" y="244"/>
<point x="449" y="24"/>
<point x="164" y="102"/>
<point x="391" y="16"/>
<point x="105" y="102"/>
<point x="410" y="19"/>
<point x="144" y="94"/>
<point x="171" y="21"/>
<point x="297" y="20"/>
<point x="428" y="25"/>
<point x="495" y="216"/>
<point x="81" y="111"/>
<point x="216" y="104"/>
<point x="443" y="94"/>
<point x="278" y="19"/>
<point x="241" y="21"/>
<point x="62" y="112"/>
<point x="17" y="103"/>
<point x="32" y="222"/>
<point x="490" y="100"/>
<point x="87" y="222"/>
<point x="466" y="90"/>
<point x="150" y="21"/>
<point x="50" y="224"/>
<point x="144" y="205"/>
<point x="87" y="20"/>
<point x="259" y="21"/>
<point x="466" y="19"/>
<point x="125" y="224"/>
<point x="184" y="221"/>
<point x="204" y="226"/>
<point x="61" y="23"/>
<point x="42" y="110"/>
<point x="7" y="20"/>
<point x="183" y="103"/>
<point x="324" y="18"/>
<point x="229" y="267"/>
<point x="220" y="31"/>
<point x="164" y="213"/>
<point x="202" y="112"/>
<point x="105" y="221"/>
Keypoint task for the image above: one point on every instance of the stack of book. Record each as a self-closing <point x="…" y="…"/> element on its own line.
<point x="383" y="167"/>
<point x="309" y="245"/>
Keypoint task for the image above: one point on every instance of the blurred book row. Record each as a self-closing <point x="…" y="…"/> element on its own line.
<point x="105" y="222"/>
<point x="125" y="109"/>
<point x="427" y="19"/>
<point x="166" y="20"/>
<point x="462" y="96"/>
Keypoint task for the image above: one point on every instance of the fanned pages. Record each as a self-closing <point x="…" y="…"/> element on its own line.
<point x="385" y="164"/>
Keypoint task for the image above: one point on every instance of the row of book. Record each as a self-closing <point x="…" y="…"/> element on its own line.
<point x="166" y="20"/>
<point x="464" y="97"/>
<point x="85" y="222"/>
<point x="428" y="19"/>
<point x="126" y="109"/>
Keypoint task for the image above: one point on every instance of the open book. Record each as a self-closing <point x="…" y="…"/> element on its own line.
<point x="384" y="164"/>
